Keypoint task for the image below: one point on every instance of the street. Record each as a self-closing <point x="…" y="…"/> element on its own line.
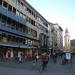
<point x="27" y="69"/>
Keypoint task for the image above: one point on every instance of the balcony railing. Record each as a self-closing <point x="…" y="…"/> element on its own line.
<point x="9" y="29"/>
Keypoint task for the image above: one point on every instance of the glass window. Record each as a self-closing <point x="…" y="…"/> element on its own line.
<point x="4" y="19"/>
<point x="0" y="37"/>
<point x="21" y="14"/>
<point x="26" y="41"/>
<point x="0" y="17"/>
<point x="18" y="2"/>
<point x="24" y="16"/>
<point x="15" y="1"/>
<point x="17" y="26"/>
<point x="24" y="7"/>
<point x="10" y="8"/>
<point x="5" y="4"/>
<point x="14" y="10"/>
<point x="0" y="2"/>
<point x="17" y="13"/>
<point x="8" y="22"/>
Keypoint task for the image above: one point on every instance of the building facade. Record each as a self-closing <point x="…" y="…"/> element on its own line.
<point x="22" y="29"/>
<point x="73" y="45"/>
<point x="67" y="40"/>
<point x="50" y="33"/>
<point x="57" y="38"/>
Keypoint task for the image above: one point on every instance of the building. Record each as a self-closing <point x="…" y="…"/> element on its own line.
<point x="50" y="40"/>
<point x="57" y="38"/>
<point x="73" y="45"/>
<point x="22" y="29"/>
<point x="67" y="40"/>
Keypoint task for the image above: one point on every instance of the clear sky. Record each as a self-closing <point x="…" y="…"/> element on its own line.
<point x="57" y="11"/>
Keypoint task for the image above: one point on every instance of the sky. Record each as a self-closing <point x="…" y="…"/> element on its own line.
<point x="57" y="11"/>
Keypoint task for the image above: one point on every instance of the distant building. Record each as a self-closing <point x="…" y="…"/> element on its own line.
<point x="57" y="37"/>
<point x="73" y="45"/>
<point x="73" y="42"/>
<point x="67" y="40"/>
<point x="50" y="34"/>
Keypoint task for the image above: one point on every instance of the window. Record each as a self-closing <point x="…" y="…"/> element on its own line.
<point x="21" y="14"/>
<point x="12" y="24"/>
<point x="0" y="2"/>
<point x="10" y="8"/>
<point x="0" y="37"/>
<point x="4" y="39"/>
<point x="18" y="2"/>
<point x="17" y="13"/>
<point x="26" y="41"/>
<point x="24" y="8"/>
<point x="22" y="5"/>
<point x="28" y="10"/>
<point x="20" y="27"/>
<point x="4" y="19"/>
<point x="29" y="31"/>
<point x="5" y="4"/>
<point x="14" y="10"/>
<point x="23" y="41"/>
<point x="35" y="34"/>
<point x="15" y="1"/>
<point x="32" y="22"/>
<point x="17" y="26"/>
<point x="0" y="17"/>
<point x="24" y="16"/>
<point x="8" y="22"/>
<point x="24" y="29"/>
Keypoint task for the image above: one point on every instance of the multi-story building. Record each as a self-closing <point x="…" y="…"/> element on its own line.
<point x="22" y="29"/>
<point x="57" y="38"/>
<point x="50" y="41"/>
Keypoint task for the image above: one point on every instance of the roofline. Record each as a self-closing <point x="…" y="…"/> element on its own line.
<point x="35" y="10"/>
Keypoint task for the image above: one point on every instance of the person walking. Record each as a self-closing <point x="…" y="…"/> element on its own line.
<point x="54" y="57"/>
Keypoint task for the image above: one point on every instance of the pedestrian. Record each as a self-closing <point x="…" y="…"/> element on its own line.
<point x="54" y="57"/>
<point x="34" y="64"/>
<point x="44" y="60"/>
<point x="20" y="58"/>
<point x="37" y="57"/>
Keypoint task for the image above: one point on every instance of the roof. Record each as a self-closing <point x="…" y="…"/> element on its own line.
<point x="66" y="31"/>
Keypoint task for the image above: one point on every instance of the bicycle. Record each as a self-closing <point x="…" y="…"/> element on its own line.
<point x="43" y="67"/>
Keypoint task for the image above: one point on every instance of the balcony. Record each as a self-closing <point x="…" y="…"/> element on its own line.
<point x="8" y="29"/>
<point x="14" y="31"/>
<point x="12" y="15"/>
